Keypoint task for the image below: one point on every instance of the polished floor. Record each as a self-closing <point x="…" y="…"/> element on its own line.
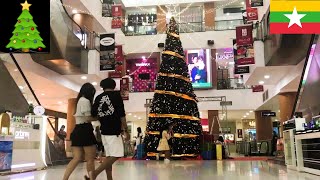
<point x="178" y="170"/>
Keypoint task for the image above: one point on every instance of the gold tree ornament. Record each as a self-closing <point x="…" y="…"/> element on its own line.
<point x="25" y="5"/>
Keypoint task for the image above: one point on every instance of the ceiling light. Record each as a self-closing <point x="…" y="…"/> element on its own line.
<point x="94" y="83"/>
<point x="130" y="114"/>
<point x="276" y="120"/>
<point x="244" y="116"/>
<point x="228" y="14"/>
<point x="261" y="82"/>
<point x="247" y="114"/>
<point x="59" y="102"/>
<point x="84" y="77"/>
<point x="279" y="110"/>
<point x="250" y="111"/>
<point x="267" y="76"/>
<point x="242" y="3"/>
<point x="143" y="57"/>
<point x="139" y="118"/>
<point x="74" y="11"/>
<point x="135" y="116"/>
<point x="15" y="70"/>
<point x="21" y="87"/>
<point x="42" y="94"/>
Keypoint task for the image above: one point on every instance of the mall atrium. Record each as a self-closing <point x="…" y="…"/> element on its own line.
<point x="211" y="89"/>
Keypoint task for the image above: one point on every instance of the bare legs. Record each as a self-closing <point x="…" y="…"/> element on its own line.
<point x="90" y="154"/>
<point x="106" y="165"/>
<point x="78" y="155"/>
<point x="167" y="154"/>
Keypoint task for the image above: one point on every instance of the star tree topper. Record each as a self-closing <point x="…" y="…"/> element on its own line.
<point x="25" y="5"/>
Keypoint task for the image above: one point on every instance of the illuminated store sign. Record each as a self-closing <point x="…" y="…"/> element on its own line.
<point x="142" y="64"/>
<point x="21" y="135"/>
<point x="224" y="54"/>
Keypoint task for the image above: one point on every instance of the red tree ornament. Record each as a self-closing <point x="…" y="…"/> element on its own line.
<point x="39" y="49"/>
<point x="32" y="28"/>
<point x="23" y="41"/>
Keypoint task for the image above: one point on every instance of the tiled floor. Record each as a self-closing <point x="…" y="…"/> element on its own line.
<point x="178" y="170"/>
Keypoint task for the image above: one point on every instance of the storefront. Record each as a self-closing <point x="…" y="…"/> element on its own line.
<point x="23" y="145"/>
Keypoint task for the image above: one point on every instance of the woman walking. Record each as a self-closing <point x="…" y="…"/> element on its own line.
<point x="82" y="138"/>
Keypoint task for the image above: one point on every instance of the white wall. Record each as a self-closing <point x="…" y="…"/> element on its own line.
<point x="241" y="99"/>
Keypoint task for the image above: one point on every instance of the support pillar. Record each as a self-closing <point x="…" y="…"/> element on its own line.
<point x="263" y="126"/>
<point x="286" y="104"/>
<point x="71" y="122"/>
<point x="214" y="127"/>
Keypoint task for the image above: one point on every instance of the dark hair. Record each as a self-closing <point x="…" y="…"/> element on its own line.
<point x="87" y="91"/>
<point x="139" y="131"/>
<point x="220" y="139"/>
<point x="108" y="83"/>
<point x="63" y="126"/>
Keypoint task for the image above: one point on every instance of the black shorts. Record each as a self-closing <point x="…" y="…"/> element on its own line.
<point x="82" y="135"/>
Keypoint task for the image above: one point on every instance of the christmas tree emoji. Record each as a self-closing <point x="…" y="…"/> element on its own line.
<point x="25" y="35"/>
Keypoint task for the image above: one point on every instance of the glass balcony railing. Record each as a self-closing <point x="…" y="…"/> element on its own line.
<point x="231" y="83"/>
<point x="227" y="24"/>
<point x="140" y="30"/>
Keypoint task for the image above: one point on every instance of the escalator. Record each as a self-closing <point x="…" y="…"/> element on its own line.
<point x="68" y="54"/>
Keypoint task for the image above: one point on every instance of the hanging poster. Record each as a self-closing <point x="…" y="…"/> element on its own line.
<point x="107" y="52"/>
<point x="244" y="46"/>
<point x="239" y="132"/>
<point x="244" y="35"/>
<point x="257" y="88"/>
<point x="124" y="88"/>
<point x="116" y="10"/>
<point x="107" y="8"/>
<point x="116" y="23"/>
<point x="256" y="3"/>
<point x="252" y="14"/>
<point x="241" y="70"/>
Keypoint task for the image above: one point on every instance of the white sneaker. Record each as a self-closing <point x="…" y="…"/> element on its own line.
<point x="166" y="161"/>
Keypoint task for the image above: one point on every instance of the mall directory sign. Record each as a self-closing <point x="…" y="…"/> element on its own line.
<point x="25" y="26"/>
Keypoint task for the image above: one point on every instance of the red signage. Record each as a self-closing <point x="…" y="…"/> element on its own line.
<point x="119" y="54"/>
<point x="124" y="88"/>
<point x="116" y="10"/>
<point x="257" y="88"/>
<point x="116" y="23"/>
<point x="245" y="61"/>
<point x="252" y="14"/>
<point x="244" y="35"/>
<point x="115" y="74"/>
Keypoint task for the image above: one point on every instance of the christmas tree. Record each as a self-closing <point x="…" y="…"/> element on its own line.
<point x="174" y="102"/>
<point x="25" y="35"/>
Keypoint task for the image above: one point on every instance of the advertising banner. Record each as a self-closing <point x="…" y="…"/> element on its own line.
<point x="252" y="14"/>
<point x="116" y="10"/>
<point x="119" y="60"/>
<point x="116" y="23"/>
<point x="124" y="88"/>
<point x="244" y="35"/>
<point x="245" y="55"/>
<point x="6" y="155"/>
<point x="256" y="3"/>
<point x="107" y="52"/>
<point x="239" y="132"/>
<point x="107" y="8"/>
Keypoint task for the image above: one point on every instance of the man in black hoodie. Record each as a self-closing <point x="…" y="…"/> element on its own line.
<point x="109" y="109"/>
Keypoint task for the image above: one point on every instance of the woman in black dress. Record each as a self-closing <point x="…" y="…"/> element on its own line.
<point x="82" y="138"/>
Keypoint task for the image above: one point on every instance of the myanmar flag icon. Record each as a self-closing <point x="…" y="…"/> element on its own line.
<point x="295" y="17"/>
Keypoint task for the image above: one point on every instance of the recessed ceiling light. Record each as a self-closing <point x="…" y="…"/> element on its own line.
<point x="139" y="118"/>
<point x="261" y="82"/>
<point x="135" y="116"/>
<point x="74" y="11"/>
<point x="21" y="87"/>
<point x="228" y="14"/>
<point x="59" y="102"/>
<point x="129" y="114"/>
<point x="247" y="114"/>
<point x="84" y="77"/>
<point x="42" y="94"/>
<point x="244" y="116"/>
<point x="94" y="83"/>
<point x="267" y="76"/>
<point x="15" y="70"/>
<point x="242" y="3"/>
<point x="250" y="111"/>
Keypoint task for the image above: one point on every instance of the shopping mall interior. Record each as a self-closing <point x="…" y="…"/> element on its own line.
<point x="256" y="90"/>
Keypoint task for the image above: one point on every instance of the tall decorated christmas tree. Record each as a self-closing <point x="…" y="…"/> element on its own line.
<point x="174" y="102"/>
<point x="25" y="35"/>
